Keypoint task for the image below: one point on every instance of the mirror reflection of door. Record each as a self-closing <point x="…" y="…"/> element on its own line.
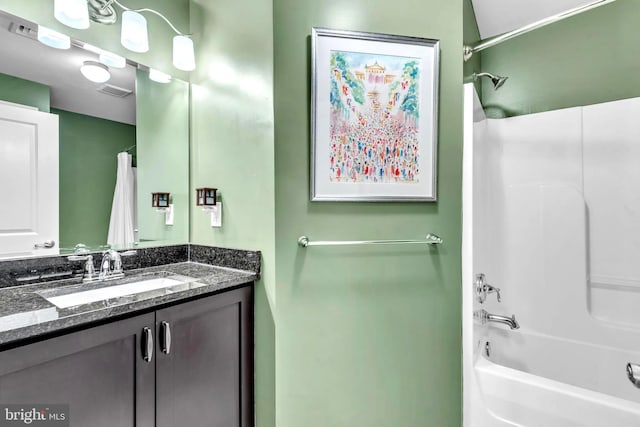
<point x="28" y="182"/>
<point x="129" y="113"/>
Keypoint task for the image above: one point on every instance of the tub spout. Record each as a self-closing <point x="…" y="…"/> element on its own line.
<point x="485" y="317"/>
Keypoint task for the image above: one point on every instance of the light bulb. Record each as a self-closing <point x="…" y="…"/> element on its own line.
<point x="112" y="60"/>
<point x="72" y="13"/>
<point x="53" y="38"/>
<point x="95" y="71"/>
<point x="134" y="35"/>
<point x="158" y="76"/>
<point x="183" y="53"/>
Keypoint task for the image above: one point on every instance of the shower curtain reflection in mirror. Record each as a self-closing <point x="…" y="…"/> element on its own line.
<point x="124" y="216"/>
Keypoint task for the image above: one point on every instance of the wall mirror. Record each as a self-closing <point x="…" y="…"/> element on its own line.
<point x="130" y="113"/>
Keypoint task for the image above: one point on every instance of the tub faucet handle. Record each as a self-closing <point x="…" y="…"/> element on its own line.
<point x="483" y="289"/>
<point x="497" y="291"/>
<point x="633" y="373"/>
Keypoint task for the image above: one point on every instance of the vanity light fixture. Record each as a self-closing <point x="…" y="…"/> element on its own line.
<point x="107" y="58"/>
<point x="72" y="13"/>
<point x="134" y="33"/>
<point x="206" y="196"/>
<point x="53" y="38"/>
<point x="95" y="71"/>
<point x="160" y="200"/>
<point x="208" y="200"/>
<point x="162" y="203"/>
<point x="183" y="53"/>
<point x="159" y="76"/>
<point x="112" y="60"/>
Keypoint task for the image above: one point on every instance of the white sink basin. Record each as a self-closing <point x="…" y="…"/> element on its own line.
<point x="86" y="297"/>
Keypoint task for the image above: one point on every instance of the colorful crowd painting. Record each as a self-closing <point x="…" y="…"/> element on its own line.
<point x="374" y="119"/>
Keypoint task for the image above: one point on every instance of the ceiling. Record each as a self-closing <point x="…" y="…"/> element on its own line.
<point x="499" y="16"/>
<point x="23" y="56"/>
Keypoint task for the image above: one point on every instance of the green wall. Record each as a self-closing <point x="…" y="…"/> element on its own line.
<point x="233" y="150"/>
<point x="88" y="165"/>
<point x="108" y="36"/>
<point x="471" y="36"/>
<point x="366" y="336"/>
<point x="25" y="92"/>
<point x="589" y="58"/>
<point x="162" y="134"/>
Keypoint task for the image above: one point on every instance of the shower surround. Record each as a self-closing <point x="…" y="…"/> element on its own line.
<point x="551" y="217"/>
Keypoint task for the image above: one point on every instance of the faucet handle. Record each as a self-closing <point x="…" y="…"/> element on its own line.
<point x="89" y="269"/>
<point x="483" y="289"/>
<point x="117" y="262"/>
<point x="117" y="259"/>
<point x="496" y="290"/>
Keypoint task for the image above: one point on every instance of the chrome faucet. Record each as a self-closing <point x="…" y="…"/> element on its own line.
<point x="485" y="317"/>
<point x="111" y="265"/>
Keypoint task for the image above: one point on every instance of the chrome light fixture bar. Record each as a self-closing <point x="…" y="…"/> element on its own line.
<point x="490" y="42"/>
<point x="134" y="33"/>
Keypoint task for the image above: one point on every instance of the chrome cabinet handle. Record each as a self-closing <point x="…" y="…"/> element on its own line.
<point x="147" y="345"/>
<point x="166" y="337"/>
<point x="48" y="244"/>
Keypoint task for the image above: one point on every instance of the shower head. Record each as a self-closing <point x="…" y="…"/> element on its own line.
<point x="497" y="81"/>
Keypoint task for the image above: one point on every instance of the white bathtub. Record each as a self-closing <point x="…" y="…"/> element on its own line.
<point x="539" y="381"/>
<point x="538" y="242"/>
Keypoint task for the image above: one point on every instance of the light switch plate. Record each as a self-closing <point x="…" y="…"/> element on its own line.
<point x="216" y="215"/>
<point x="168" y="215"/>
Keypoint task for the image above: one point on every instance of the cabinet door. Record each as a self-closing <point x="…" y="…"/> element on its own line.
<point x="204" y="377"/>
<point x="99" y="372"/>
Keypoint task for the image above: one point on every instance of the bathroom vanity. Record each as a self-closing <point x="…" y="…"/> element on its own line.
<point x="179" y="355"/>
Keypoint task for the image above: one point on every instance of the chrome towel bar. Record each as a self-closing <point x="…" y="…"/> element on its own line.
<point x="430" y="239"/>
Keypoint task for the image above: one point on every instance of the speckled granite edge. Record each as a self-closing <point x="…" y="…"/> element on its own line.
<point x="224" y="257"/>
<point x="22" y="299"/>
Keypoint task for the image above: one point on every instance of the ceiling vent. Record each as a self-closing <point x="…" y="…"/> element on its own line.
<point x="23" y="30"/>
<point x="112" y="90"/>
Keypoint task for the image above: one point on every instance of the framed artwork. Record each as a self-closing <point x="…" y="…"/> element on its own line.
<point x="374" y="117"/>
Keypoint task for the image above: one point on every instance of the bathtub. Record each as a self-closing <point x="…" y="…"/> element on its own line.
<point x="533" y="380"/>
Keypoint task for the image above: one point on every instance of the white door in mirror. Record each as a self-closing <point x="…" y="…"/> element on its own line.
<point x="28" y="182"/>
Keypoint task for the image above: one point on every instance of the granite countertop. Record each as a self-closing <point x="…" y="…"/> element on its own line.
<point x="25" y="313"/>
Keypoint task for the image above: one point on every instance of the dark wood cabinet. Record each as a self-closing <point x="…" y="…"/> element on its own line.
<point x="200" y="373"/>
<point x="203" y="367"/>
<point x="99" y="372"/>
